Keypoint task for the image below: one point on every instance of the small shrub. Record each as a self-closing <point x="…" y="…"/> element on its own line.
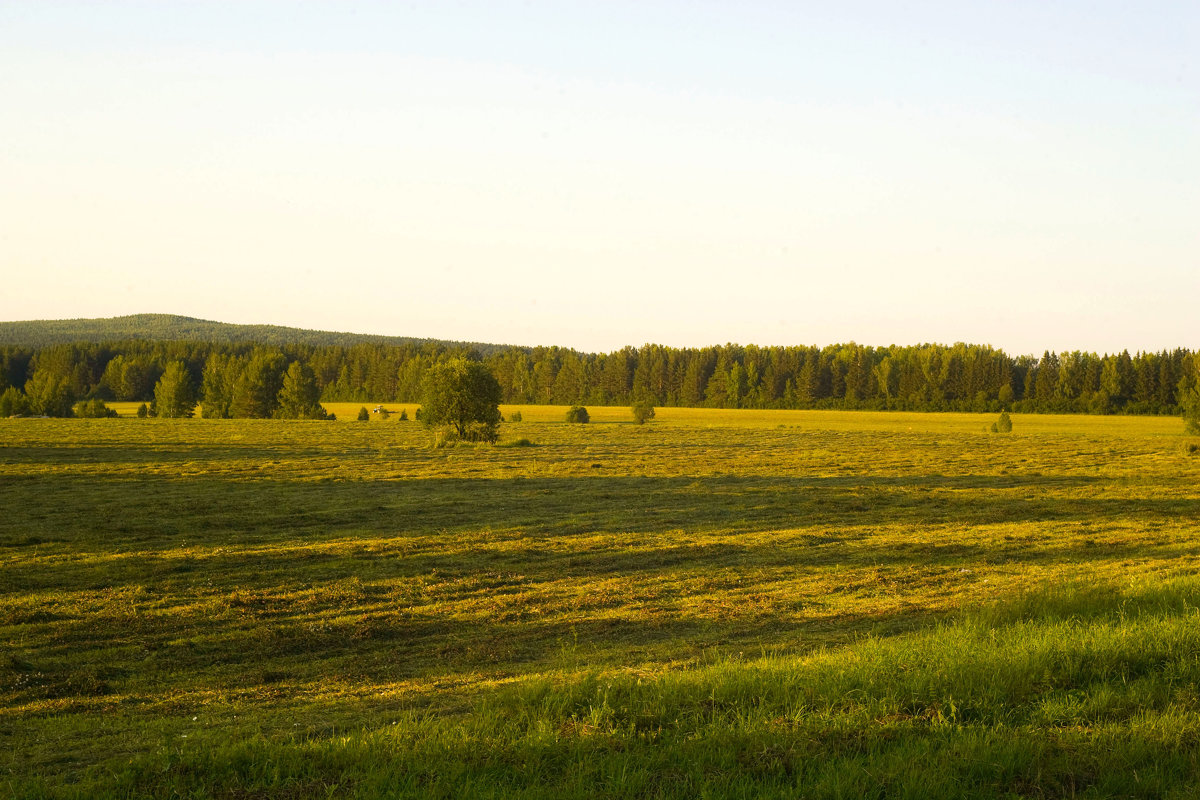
<point x="522" y="442"/>
<point x="1002" y="425"/>
<point x="515" y="417"/>
<point x="403" y="415"/>
<point x="363" y="414"/>
<point x="642" y="411"/>
<point x="384" y="413"/>
<point x="92" y="409"/>
<point x="143" y="411"/>
<point x="578" y="414"/>
<point x="1191" y="449"/>
<point x="480" y="432"/>
<point x="13" y="403"/>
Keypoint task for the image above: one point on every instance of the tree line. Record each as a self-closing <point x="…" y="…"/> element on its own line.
<point x="246" y="380"/>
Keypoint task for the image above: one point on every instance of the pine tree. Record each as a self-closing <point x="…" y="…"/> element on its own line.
<point x="299" y="397"/>
<point x="256" y="392"/>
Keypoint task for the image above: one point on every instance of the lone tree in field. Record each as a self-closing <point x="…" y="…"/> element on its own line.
<point x="464" y="396"/>
<point x="577" y="414"/>
<point x="1002" y="425"/>
<point x="642" y="410"/>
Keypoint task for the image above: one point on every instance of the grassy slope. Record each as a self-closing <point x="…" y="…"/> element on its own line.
<point x="735" y="603"/>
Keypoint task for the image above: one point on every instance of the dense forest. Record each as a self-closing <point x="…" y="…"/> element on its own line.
<point x="171" y="327"/>
<point x="244" y="379"/>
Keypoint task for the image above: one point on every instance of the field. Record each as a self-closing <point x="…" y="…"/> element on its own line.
<point x="717" y="604"/>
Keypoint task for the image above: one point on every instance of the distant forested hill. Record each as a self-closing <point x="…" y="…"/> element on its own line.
<point x="171" y="328"/>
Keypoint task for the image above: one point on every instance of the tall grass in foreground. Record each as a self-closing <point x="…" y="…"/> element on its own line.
<point x="1081" y="691"/>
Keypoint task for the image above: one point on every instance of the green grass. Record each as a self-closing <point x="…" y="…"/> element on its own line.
<point x="719" y="603"/>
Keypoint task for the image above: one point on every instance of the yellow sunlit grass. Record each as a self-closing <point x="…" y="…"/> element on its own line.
<point x="291" y="582"/>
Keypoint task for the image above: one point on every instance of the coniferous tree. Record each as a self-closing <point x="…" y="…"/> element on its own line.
<point x="14" y="366"/>
<point x="256" y="391"/>
<point x="1046" y="380"/>
<point x="299" y="397"/>
<point x="570" y="382"/>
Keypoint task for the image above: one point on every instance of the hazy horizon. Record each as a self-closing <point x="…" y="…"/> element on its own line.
<point x="610" y="174"/>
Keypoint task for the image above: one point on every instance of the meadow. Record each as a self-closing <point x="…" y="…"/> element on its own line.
<point x="717" y="604"/>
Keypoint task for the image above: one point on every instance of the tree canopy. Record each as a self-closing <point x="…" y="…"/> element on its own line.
<point x="464" y="396"/>
<point x="256" y="390"/>
<point x="299" y="396"/>
<point x="174" y="395"/>
<point x="1189" y="401"/>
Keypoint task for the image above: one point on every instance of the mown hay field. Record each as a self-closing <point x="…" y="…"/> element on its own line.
<point x="718" y="603"/>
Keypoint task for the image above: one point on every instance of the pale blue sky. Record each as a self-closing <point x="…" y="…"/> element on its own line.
<point x="1025" y="174"/>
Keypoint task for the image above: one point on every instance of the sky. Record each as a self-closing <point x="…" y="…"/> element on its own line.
<point x="1024" y="174"/>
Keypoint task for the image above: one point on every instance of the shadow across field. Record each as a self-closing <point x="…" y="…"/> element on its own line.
<point x="285" y="600"/>
<point x="400" y="577"/>
<point x="115" y="514"/>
